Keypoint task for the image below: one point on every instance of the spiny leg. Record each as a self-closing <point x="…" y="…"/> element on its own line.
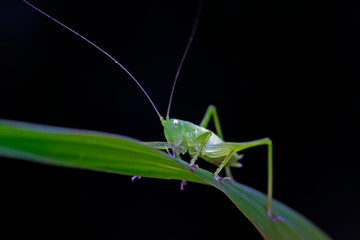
<point x="203" y="139"/>
<point x="211" y="112"/>
<point x="268" y="142"/>
<point x="165" y="146"/>
<point x="158" y="145"/>
<point x="222" y="165"/>
<point x="245" y="145"/>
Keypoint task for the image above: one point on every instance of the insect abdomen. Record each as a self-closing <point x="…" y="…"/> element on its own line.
<point x="212" y="152"/>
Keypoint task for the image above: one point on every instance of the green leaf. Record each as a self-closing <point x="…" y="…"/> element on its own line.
<point x="118" y="154"/>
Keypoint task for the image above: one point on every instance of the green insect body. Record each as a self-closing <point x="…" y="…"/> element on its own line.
<point x="183" y="136"/>
<point x="200" y="142"/>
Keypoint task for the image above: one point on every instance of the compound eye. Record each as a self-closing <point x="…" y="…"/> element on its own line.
<point x="176" y="122"/>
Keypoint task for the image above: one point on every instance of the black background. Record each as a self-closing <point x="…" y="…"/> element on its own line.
<point x="287" y="70"/>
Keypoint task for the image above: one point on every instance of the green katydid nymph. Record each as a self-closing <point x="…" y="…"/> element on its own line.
<point x="199" y="142"/>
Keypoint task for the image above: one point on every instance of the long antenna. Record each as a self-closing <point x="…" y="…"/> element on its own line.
<point x="196" y="23"/>
<point x="94" y="45"/>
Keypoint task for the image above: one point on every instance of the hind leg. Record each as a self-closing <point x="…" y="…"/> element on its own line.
<point x="241" y="146"/>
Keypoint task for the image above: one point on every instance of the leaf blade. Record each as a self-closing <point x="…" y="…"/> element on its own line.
<point x="118" y="154"/>
<point x="87" y="149"/>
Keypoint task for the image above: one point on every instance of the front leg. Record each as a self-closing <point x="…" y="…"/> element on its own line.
<point x="166" y="146"/>
<point x="158" y="145"/>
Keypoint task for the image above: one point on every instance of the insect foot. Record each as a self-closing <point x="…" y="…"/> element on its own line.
<point x="182" y="184"/>
<point x="275" y="218"/>
<point x="220" y="179"/>
<point x="135" y="177"/>
<point x="194" y="166"/>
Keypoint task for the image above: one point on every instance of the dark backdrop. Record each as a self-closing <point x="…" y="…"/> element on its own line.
<point x="280" y="69"/>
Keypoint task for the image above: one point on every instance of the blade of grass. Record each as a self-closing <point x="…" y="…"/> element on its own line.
<point x="118" y="154"/>
<point x="87" y="149"/>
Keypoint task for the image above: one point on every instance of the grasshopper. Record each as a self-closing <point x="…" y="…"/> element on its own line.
<point x="198" y="141"/>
